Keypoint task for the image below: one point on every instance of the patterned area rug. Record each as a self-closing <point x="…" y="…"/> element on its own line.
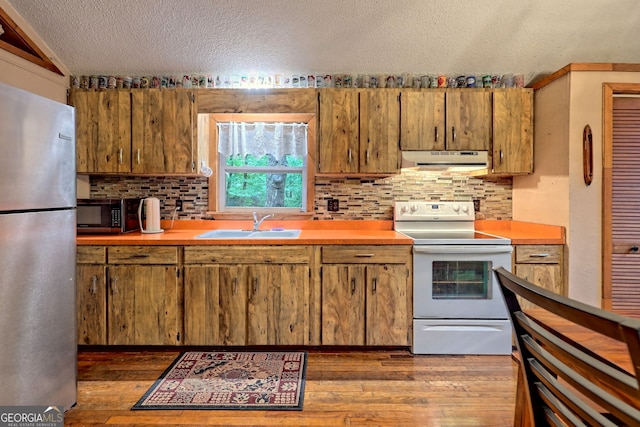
<point x="230" y="380"/>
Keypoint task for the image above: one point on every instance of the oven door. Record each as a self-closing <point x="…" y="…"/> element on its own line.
<point x="458" y="282"/>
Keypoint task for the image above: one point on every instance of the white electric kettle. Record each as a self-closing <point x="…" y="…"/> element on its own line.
<point x="151" y="215"/>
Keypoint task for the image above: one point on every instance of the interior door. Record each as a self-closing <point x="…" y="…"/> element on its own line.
<point x="621" y="206"/>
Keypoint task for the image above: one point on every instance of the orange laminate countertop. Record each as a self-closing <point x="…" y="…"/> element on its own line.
<point x="327" y="232"/>
<point x="338" y="232"/>
<point x="524" y="233"/>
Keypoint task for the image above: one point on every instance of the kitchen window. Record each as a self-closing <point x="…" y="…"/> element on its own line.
<point x="261" y="164"/>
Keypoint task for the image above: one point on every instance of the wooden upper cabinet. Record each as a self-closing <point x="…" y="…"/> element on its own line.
<point x="468" y="119"/>
<point x="103" y="131"/>
<point x="453" y="119"/>
<point x="339" y="133"/>
<point x="163" y="139"/>
<point x="359" y="131"/>
<point x="150" y="131"/>
<point x="422" y="120"/>
<point x="512" y="132"/>
<point x="379" y="131"/>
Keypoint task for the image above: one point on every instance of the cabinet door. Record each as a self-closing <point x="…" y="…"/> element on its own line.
<point x="379" y="131"/>
<point x="512" y="132"/>
<point x="278" y="310"/>
<point x="548" y="276"/>
<point x="422" y="121"/>
<point x="202" y="312"/>
<point x="103" y="131"/>
<point x="143" y="305"/>
<point x="542" y="265"/>
<point x="468" y="119"/>
<point x="91" y="304"/>
<point x="163" y="124"/>
<point x="386" y="305"/>
<point x="233" y="305"/>
<point x="338" y="147"/>
<point x="343" y="305"/>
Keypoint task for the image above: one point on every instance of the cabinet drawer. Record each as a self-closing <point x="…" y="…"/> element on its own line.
<point x="91" y="254"/>
<point x="143" y="255"/>
<point x="288" y="254"/>
<point x="364" y="254"/>
<point x="538" y="254"/>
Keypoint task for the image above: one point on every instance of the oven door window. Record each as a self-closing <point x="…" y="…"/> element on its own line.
<point x="468" y="280"/>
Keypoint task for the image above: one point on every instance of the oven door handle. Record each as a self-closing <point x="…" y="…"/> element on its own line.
<point x="457" y="249"/>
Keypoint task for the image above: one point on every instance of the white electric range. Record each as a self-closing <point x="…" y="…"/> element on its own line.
<point x="458" y="307"/>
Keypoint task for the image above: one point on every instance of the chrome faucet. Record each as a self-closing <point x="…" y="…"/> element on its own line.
<point x="257" y="222"/>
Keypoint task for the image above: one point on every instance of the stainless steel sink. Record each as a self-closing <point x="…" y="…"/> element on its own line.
<point x="249" y="234"/>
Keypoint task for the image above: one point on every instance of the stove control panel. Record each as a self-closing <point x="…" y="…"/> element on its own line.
<point x="434" y="211"/>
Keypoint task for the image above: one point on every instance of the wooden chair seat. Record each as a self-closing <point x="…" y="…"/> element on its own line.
<point x="562" y="381"/>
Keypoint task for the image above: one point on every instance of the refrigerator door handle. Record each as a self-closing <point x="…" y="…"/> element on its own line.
<point x="65" y="137"/>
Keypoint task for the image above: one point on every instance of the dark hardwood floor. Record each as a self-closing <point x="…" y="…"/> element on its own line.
<point x="349" y="388"/>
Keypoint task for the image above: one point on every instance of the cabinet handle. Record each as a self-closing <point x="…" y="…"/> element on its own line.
<point x="349" y="153"/>
<point x="453" y="133"/>
<point x="120" y="156"/>
<point x="375" y="285"/>
<point x="94" y="281"/>
<point x="255" y="286"/>
<point x="539" y="255"/>
<point x="436" y="134"/>
<point x="501" y="156"/>
<point x="367" y="152"/>
<point x="138" y="156"/>
<point x="140" y="256"/>
<point x="353" y="285"/>
<point x="634" y="248"/>
<point x="365" y="255"/>
<point x="114" y="284"/>
<point x="234" y="283"/>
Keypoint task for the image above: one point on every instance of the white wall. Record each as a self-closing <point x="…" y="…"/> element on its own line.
<point x="556" y="192"/>
<point x="541" y="197"/>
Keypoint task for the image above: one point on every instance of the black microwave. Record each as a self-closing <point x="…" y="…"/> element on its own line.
<point x="110" y="216"/>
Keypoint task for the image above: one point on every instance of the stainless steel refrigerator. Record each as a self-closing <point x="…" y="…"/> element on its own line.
<point x="37" y="250"/>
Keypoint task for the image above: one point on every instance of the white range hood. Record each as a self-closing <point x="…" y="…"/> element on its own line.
<point x="460" y="161"/>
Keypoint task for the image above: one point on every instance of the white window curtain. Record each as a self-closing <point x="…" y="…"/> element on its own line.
<point x="258" y="139"/>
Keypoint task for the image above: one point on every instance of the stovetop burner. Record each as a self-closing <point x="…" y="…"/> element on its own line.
<point x="441" y="223"/>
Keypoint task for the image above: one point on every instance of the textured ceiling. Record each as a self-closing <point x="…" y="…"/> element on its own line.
<point x="227" y="37"/>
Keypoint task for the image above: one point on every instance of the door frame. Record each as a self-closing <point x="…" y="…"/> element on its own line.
<point x="609" y="90"/>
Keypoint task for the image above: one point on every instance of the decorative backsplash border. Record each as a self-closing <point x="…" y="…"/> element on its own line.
<point x="358" y="199"/>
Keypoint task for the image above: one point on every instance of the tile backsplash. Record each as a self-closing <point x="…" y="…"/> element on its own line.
<point x="358" y="198"/>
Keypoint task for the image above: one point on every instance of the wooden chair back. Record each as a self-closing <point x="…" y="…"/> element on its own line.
<point x="563" y="381"/>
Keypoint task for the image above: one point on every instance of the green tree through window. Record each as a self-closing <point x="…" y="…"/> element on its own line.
<point x="252" y="176"/>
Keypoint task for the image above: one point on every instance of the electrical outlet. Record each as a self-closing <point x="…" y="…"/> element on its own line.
<point x="476" y="205"/>
<point x="179" y="205"/>
<point x="333" y="205"/>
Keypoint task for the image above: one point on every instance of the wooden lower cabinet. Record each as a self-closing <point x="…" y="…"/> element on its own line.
<point x="91" y="295"/>
<point x="244" y="295"/>
<point x="144" y="302"/>
<point x="542" y="265"/>
<point x="256" y="295"/>
<point x="143" y="306"/>
<point x="366" y="295"/>
<point x="128" y="295"/>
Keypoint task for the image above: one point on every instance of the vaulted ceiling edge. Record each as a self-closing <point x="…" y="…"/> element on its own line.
<point x="14" y="40"/>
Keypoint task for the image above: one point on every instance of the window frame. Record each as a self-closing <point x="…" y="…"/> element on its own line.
<point x="214" y="186"/>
